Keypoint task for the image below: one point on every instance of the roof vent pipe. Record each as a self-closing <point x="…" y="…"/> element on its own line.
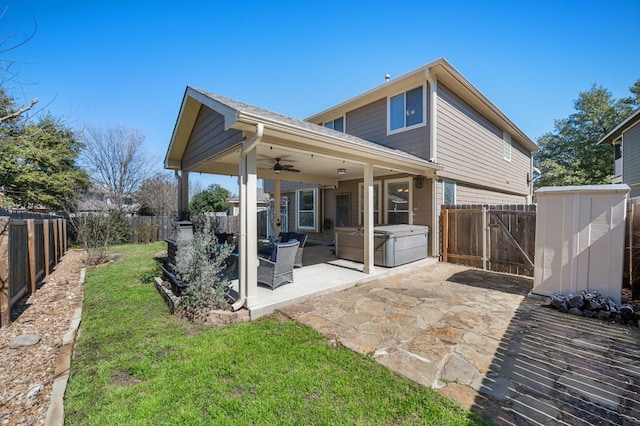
<point x="387" y="77"/>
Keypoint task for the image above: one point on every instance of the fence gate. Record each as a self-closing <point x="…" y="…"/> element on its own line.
<point x="497" y="238"/>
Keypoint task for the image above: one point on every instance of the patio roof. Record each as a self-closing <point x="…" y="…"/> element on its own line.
<point x="316" y="150"/>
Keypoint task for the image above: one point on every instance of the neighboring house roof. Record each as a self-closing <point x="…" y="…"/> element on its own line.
<point x="261" y="197"/>
<point x="98" y="199"/>
<point x="616" y="133"/>
<point x="444" y="72"/>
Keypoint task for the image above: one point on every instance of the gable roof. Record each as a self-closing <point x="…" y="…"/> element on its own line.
<point x="613" y="135"/>
<point x="443" y="71"/>
<point x="302" y="134"/>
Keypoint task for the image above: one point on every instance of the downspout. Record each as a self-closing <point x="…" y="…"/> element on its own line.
<point x="246" y="147"/>
<point x="433" y="125"/>
<point x="433" y="147"/>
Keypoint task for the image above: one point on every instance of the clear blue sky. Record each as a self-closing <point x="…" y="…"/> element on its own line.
<point x="128" y="62"/>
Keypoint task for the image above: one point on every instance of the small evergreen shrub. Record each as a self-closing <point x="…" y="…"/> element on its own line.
<point x="200" y="264"/>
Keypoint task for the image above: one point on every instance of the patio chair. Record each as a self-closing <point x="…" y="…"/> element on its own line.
<point x="279" y="269"/>
<point x="303" y="239"/>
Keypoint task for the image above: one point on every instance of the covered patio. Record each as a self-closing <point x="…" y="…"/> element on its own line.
<point x="218" y="135"/>
<point x="321" y="274"/>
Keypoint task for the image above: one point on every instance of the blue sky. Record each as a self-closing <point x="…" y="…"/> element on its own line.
<point x="128" y="62"/>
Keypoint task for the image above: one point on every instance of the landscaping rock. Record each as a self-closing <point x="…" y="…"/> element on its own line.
<point x="34" y="390"/>
<point x="24" y="341"/>
<point x="577" y="301"/>
<point x="576" y="311"/>
<point x="594" y="305"/>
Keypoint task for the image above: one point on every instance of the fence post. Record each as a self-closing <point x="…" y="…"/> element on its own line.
<point x="31" y="244"/>
<point x="60" y="241"/>
<point x="484" y="238"/>
<point x="5" y="309"/>
<point x="65" y="237"/>
<point x="445" y="234"/>
<point x="45" y="236"/>
<point x="56" y="248"/>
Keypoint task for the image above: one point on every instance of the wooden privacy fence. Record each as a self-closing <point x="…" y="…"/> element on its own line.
<point x="147" y="229"/>
<point x="29" y="249"/>
<point x="497" y="238"/>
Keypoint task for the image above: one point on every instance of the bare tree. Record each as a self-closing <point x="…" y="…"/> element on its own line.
<point x="115" y="161"/>
<point x="9" y="44"/>
<point x="158" y="195"/>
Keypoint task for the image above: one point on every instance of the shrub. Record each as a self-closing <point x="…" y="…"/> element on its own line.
<point x="200" y="264"/>
<point x="98" y="232"/>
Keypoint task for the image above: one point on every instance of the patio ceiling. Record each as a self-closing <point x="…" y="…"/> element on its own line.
<point x="316" y="151"/>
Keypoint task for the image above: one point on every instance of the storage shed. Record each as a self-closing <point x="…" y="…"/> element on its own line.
<point x="580" y="239"/>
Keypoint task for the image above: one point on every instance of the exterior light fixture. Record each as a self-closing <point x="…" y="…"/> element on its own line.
<point x="342" y="171"/>
<point x="419" y="181"/>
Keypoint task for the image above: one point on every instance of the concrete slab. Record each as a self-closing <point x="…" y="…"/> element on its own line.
<point x="322" y="273"/>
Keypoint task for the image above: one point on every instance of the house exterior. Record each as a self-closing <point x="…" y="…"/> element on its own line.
<point x="392" y="155"/>
<point x="98" y="200"/>
<point x="433" y="113"/>
<point x="625" y="139"/>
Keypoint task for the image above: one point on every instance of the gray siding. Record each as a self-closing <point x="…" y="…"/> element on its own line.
<point x="208" y="138"/>
<point x="470" y="148"/>
<point x="370" y="122"/>
<point x="269" y="186"/>
<point x="631" y="155"/>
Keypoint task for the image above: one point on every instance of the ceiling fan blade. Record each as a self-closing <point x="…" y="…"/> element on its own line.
<point x="291" y="170"/>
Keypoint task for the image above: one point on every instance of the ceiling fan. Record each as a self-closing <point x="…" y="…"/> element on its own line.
<point x="279" y="168"/>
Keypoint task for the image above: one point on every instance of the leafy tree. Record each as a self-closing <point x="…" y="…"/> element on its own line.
<point x="569" y="155"/>
<point x="213" y="199"/>
<point x="158" y="196"/>
<point x="38" y="166"/>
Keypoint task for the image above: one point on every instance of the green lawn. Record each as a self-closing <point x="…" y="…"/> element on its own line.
<point x="135" y="363"/>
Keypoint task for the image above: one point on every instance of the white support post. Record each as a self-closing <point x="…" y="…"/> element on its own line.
<point x="368" y="220"/>
<point x="252" y="228"/>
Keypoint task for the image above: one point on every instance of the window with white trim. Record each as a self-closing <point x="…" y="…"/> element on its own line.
<point x="337" y="124"/>
<point x="406" y="110"/>
<point x="449" y="192"/>
<point x="376" y="203"/>
<point x="506" y="146"/>
<point x="398" y="201"/>
<point x="307" y="208"/>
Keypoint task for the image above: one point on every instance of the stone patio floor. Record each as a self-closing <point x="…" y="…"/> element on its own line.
<point x="477" y="338"/>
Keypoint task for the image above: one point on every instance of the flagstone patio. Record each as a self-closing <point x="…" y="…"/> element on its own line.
<point x="477" y="338"/>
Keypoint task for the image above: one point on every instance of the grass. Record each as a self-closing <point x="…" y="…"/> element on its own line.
<point x="136" y="364"/>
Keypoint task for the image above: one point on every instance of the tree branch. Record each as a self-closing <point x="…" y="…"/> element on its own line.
<point x="19" y="112"/>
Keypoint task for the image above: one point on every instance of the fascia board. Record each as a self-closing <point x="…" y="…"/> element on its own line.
<point x="328" y="145"/>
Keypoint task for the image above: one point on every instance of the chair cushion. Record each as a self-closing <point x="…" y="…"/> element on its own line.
<point x="274" y="253"/>
<point x="284" y="236"/>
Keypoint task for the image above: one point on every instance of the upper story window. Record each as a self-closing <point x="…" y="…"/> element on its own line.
<point x="337" y="124"/>
<point x="406" y="110"/>
<point x="506" y="146"/>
